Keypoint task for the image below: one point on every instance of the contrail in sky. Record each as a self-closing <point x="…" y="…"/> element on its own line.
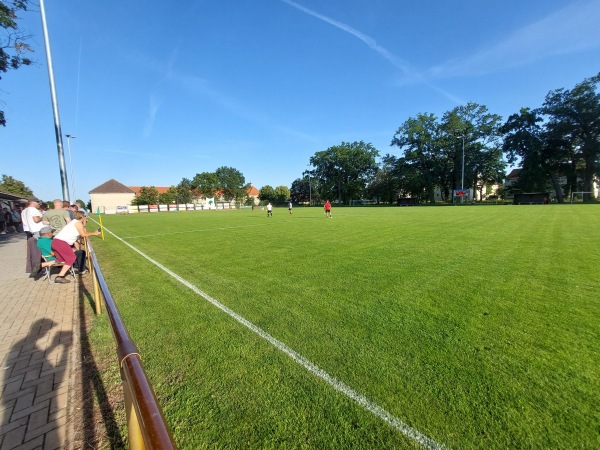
<point x="397" y="62"/>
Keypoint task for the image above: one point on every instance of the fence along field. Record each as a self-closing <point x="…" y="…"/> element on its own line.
<point x="474" y="326"/>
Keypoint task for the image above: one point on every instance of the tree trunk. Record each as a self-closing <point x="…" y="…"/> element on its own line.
<point x="557" y="188"/>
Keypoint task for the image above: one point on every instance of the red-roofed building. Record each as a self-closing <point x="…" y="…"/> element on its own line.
<point x="112" y="193"/>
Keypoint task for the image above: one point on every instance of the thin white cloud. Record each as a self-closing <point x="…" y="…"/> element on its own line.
<point x="571" y="29"/>
<point x="152" y="112"/>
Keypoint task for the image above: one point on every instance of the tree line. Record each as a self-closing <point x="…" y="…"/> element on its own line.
<point x="226" y="182"/>
<point x="468" y="147"/>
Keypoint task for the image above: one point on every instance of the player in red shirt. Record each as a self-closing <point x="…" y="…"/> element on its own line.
<point x="328" y="209"/>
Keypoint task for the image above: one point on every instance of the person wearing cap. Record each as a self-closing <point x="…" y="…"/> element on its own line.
<point x="44" y="243"/>
<point x="32" y="219"/>
<point x="62" y="242"/>
<point x="58" y="217"/>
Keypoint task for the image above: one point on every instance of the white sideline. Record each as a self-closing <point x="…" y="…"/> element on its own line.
<point x="338" y="385"/>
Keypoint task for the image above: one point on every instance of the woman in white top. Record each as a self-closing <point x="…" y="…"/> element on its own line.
<point x="62" y="242"/>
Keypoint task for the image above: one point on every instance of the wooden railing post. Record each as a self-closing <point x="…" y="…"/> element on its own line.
<point x="146" y="423"/>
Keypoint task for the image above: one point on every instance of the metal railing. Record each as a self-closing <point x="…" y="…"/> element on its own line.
<point x="145" y="421"/>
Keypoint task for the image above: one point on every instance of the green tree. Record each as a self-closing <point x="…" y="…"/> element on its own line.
<point x="206" y="184"/>
<point x="282" y="194"/>
<point x="147" y="196"/>
<point x="384" y="186"/>
<point x="344" y="170"/>
<point x="574" y="116"/>
<point x="419" y="140"/>
<point x="13" y="47"/>
<point x="231" y="183"/>
<point x="15" y="187"/>
<point x="267" y="194"/>
<point x="301" y="191"/>
<point x="478" y="130"/>
<point x="528" y="141"/>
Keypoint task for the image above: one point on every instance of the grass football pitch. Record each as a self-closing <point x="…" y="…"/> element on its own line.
<point x="449" y="327"/>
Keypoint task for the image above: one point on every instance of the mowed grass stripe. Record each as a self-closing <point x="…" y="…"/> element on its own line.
<point x="437" y="314"/>
<point x="338" y="385"/>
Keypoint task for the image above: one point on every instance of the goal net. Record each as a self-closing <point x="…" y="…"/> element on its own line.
<point x="578" y="197"/>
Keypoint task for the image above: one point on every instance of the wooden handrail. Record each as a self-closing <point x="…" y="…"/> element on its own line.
<point x="146" y="423"/>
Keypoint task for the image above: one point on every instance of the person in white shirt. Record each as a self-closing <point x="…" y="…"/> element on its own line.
<point x="62" y="242"/>
<point x="32" y="219"/>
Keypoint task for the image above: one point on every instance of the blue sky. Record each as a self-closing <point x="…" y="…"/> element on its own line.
<point x="158" y="91"/>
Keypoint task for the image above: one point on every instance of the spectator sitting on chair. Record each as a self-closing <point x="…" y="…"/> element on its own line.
<point x="45" y="245"/>
<point x="62" y="242"/>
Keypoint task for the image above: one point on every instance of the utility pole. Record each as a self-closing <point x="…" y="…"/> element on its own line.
<point x="57" y="130"/>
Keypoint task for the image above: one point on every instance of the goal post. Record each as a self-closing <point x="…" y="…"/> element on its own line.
<point x="573" y="194"/>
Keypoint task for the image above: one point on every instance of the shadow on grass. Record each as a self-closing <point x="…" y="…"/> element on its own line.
<point x="93" y="388"/>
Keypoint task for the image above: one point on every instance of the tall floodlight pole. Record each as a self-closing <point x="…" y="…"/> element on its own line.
<point x="57" y="131"/>
<point x="69" y="137"/>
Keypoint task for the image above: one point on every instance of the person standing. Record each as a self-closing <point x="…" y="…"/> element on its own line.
<point x="32" y="219"/>
<point x="290" y="207"/>
<point x="58" y="217"/>
<point x="269" y="210"/>
<point x="14" y="220"/>
<point x="327" y="209"/>
<point x="4" y="217"/>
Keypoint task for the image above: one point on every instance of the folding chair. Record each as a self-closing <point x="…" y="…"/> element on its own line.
<point x="55" y="263"/>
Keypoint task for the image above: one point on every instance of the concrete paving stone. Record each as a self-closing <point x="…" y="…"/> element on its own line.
<point x="13" y="386"/>
<point x="24" y="401"/>
<point x="62" y="390"/>
<point x="33" y="444"/>
<point x="13" y="438"/>
<point x="59" y="402"/>
<point x="55" y="427"/>
<point x="18" y="379"/>
<point x="33" y="372"/>
<point x="38" y="419"/>
<point x="33" y="408"/>
<point x="17" y="394"/>
<point x="6" y="410"/>
<point x="12" y="425"/>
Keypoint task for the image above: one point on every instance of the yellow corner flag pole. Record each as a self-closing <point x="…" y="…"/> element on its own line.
<point x="101" y="227"/>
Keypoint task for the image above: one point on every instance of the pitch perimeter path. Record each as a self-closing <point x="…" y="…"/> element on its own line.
<point x="39" y="354"/>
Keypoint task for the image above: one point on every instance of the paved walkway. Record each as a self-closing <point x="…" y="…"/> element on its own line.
<point x="39" y="350"/>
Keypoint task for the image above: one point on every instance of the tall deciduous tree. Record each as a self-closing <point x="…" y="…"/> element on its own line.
<point x="385" y="184"/>
<point x="206" y="184"/>
<point x="282" y="194"/>
<point x="13" y="45"/>
<point x="301" y="191"/>
<point x="344" y="170"/>
<point x="267" y="194"/>
<point x="527" y="140"/>
<point x="231" y="183"/>
<point x="473" y="126"/>
<point x="419" y="140"/>
<point x="574" y="115"/>
<point x="15" y="187"/>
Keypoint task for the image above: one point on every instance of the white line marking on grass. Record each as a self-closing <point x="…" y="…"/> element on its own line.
<point x="338" y="385"/>
<point x="198" y="230"/>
